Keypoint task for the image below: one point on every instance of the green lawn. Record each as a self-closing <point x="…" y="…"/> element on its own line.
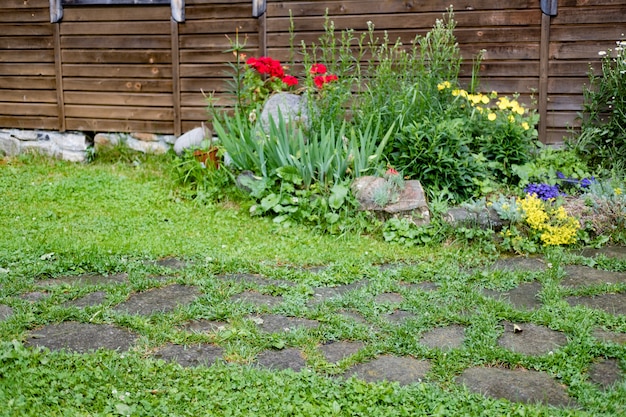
<point x="59" y="219"/>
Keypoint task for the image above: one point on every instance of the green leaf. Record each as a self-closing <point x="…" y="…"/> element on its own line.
<point x="270" y="201"/>
<point x="338" y="195"/>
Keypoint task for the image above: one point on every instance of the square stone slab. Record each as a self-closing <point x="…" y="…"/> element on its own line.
<point x="5" y="312"/>
<point x="195" y="355"/>
<point x="290" y="358"/>
<point x="90" y="300"/>
<point x="530" y="339"/>
<point x="426" y="286"/>
<point x="353" y="315"/>
<point x="524" y="296"/>
<point x="611" y="303"/>
<point x="336" y="351"/>
<point x="389" y="298"/>
<point x="85" y="280"/>
<point x="257" y="299"/>
<point x="402" y="369"/>
<point x="272" y="323"/>
<point x="525" y="386"/>
<point x="34" y="296"/>
<point x="582" y="276"/>
<point x="161" y="300"/>
<point x="605" y="372"/>
<point x="82" y="337"/>
<point x="444" y="338"/>
<point x="205" y="326"/>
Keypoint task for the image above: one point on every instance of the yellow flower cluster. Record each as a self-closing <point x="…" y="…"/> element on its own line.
<point x="555" y="226"/>
<point x="504" y="104"/>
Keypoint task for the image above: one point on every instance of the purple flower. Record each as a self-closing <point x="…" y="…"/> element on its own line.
<point x="586" y="182"/>
<point x="560" y="175"/>
<point x="543" y="191"/>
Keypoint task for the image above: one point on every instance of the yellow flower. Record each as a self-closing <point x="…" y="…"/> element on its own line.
<point x="525" y="125"/>
<point x="511" y="118"/>
<point x="617" y="191"/>
<point x="443" y="85"/>
<point x="484" y="99"/>
<point x="475" y="98"/>
<point x="491" y="117"/>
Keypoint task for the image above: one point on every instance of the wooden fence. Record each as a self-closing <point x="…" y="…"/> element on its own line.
<point x="132" y="68"/>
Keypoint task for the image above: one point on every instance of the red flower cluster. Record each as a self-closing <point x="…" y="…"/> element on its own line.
<point x="321" y="78"/>
<point x="266" y="66"/>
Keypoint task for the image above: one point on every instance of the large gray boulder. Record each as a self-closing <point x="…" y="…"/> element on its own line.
<point x="191" y="139"/>
<point x="292" y="107"/>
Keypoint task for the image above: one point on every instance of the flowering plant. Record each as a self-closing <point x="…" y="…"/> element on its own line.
<point x="264" y="76"/>
<point x="320" y="75"/>
<point x="543" y="191"/>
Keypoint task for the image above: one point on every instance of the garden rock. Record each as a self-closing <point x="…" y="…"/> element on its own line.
<point x="291" y="107"/>
<point x="141" y="142"/>
<point x="191" y="139"/>
<point x="69" y="146"/>
<point x="485" y="219"/>
<point x="410" y="202"/>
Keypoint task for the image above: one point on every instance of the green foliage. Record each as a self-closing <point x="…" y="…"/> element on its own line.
<point x="602" y="140"/>
<point x="545" y="164"/>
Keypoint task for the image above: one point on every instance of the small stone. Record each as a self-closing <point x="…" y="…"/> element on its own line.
<point x="291" y="107"/>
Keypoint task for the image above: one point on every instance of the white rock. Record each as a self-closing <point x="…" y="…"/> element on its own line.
<point x="190" y="139"/>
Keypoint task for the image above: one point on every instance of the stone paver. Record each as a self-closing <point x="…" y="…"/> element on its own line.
<point x="254" y="279"/>
<point x="400" y="316"/>
<point x="520" y="263"/>
<point x="272" y="323"/>
<point x="352" y="315"/>
<point x="321" y="294"/>
<point x="389" y="298"/>
<point x="581" y="276"/>
<point x="444" y="338"/>
<point x="522" y="297"/>
<point x="5" y="312"/>
<point x="336" y="351"/>
<point x="194" y="355"/>
<point x="605" y="372"/>
<point x="531" y="339"/>
<point x="34" y="296"/>
<point x="290" y="358"/>
<point x="159" y="300"/>
<point x="82" y="337"/>
<point x="610" y="303"/>
<point x="610" y="337"/>
<point x="257" y="299"/>
<point x="618" y="252"/>
<point x="172" y="263"/>
<point x="402" y="369"/>
<point x="516" y="385"/>
<point x="85" y="280"/>
<point x="205" y="326"/>
<point x="89" y="300"/>
<point x="426" y="286"/>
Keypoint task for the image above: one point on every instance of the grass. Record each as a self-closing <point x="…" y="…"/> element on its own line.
<point x="61" y="219"/>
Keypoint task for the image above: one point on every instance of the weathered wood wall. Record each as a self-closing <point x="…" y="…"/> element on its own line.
<point x="130" y="68"/>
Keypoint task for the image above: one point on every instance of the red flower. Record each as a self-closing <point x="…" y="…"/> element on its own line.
<point x="392" y="171"/>
<point x="266" y="66"/>
<point x="290" y="80"/>
<point x="320" y="80"/>
<point x="318" y="69"/>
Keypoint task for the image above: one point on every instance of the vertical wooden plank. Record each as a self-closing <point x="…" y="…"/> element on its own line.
<point x="59" y="76"/>
<point x="176" y="79"/>
<point x="544" y="60"/>
<point x="263" y="34"/>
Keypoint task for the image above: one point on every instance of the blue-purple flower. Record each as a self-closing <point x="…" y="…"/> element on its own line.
<point x="543" y="191"/>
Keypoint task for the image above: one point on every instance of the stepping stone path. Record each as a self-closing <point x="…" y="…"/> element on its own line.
<point x="81" y="337"/>
<point x="522" y="297"/>
<point x="195" y="355"/>
<point x="276" y="323"/>
<point x="404" y="370"/>
<point x="522" y="385"/>
<point x="525" y="338"/>
<point x="444" y="338"/>
<point x="531" y="339"/>
<point x="159" y="300"/>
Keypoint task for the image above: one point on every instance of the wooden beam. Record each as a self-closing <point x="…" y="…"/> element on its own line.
<point x="176" y="78"/>
<point x="59" y="76"/>
<point x="544" y="61"/>
<point x="263" y="34"/>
